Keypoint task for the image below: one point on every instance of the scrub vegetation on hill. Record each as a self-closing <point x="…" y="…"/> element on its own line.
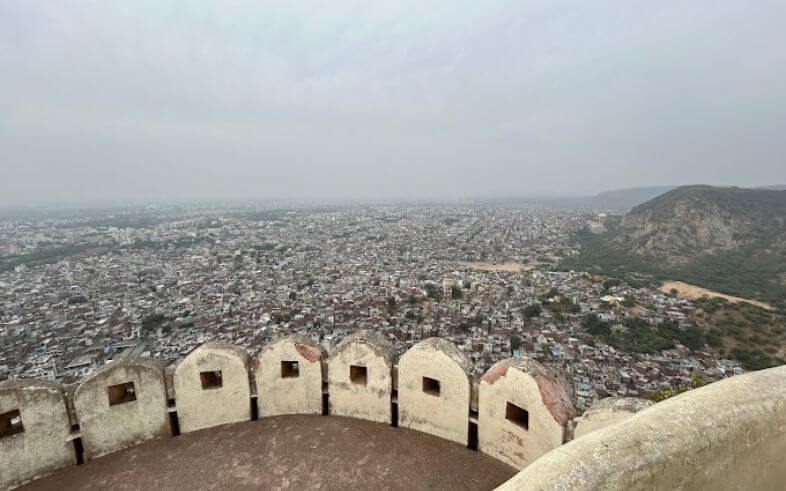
<point x="729" y="240"/>
<point x="744" y="273"/>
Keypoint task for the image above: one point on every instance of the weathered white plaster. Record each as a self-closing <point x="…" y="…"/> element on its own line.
<point x="729" y="434"/>
<point x="351" y="398"/>
<point x="277" y="394"/>
<point x="199" y="408"/>
<point x="107" y="428"/>
<point x="446" y="415"/>
<point x="42" y="447"/>
<point x="529" y="386"/>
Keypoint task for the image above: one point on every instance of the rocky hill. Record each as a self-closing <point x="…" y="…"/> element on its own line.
<point x="694" y="221"/>
<point x="731" y="240"/>
<point x="625" y="199"/>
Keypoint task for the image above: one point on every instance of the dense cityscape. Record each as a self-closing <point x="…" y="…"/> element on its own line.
<point x="79" y="291"/>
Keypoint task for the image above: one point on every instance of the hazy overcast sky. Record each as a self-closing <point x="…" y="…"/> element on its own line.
<point x="129" y="100"/>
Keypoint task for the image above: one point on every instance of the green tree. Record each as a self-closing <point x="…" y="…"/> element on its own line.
<point x="391" y="304"/>
<point x="533" y="310"/>
<point x="515" y="342"/>
<point x="79" y="299"/>
<point x="596" y="326"/>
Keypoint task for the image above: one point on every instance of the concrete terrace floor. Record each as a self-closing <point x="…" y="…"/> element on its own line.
<point x="288" y="452"/>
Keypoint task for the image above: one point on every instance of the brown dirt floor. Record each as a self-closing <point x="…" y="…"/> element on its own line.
<point x="288" y="452"/>
<point x="692" y="292"/>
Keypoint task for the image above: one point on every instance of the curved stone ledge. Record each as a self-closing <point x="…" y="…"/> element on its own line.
<point x="726" y="435"/>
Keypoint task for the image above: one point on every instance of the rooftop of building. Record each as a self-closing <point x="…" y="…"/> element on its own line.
<point x="289" y="452"/>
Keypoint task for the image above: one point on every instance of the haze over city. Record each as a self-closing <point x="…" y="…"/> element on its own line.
<point x="111" y="102"/>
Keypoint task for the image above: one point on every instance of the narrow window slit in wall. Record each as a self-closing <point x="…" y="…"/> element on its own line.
<point x="121" y="393"/>
<point x="11" y="423"/>
<point x="290" y="369"/>
<point x="431" y="386"/>
<point x="517" y="415"/>
<point x="358" y="375"/>
<point x="325" y="404"/>
<point x="211" y="380"/>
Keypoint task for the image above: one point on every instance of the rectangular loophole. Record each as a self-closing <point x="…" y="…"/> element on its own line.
<point x="290" y="369"/>
<point x="431" y="386"/>
<point x="11" y="423"/>
<point x="358" y="375"/>
<point x="121" y="393"/>
<point x="517" y="415"/>
<point x="211" y="380"/>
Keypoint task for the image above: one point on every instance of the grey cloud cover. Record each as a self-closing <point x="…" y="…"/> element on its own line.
<point x="141" y="100"/>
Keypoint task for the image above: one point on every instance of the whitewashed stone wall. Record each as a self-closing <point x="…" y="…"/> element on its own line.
<point x="202" y="402"/>
<point x="121" y="404"/>
<point x="523" y="412"/>
<point x="360" y="377"/>
<point x="446" y="413"/>
<point x="42" y="447"/>
<point x="289" y="374"/>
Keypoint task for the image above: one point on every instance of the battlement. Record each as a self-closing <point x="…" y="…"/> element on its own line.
<point x="522" y="414"/>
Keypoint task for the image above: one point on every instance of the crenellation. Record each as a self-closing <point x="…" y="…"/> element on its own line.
<point x="434" y="390"/>
<point x="212" y="387"/>
<point x="360" y="381"/>
<point x="289" y="373"/>
<point x="518" y="412"/>
<point x="122" y="404"/>
<point x="524" y="411"/>
<point x="37" y="443"/>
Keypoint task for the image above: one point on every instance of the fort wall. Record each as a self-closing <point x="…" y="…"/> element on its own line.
<point x="360" y="377"/>
<point x="289" y="374"/>
<point x="608" y="411"/>
<point x="524" y="412"/>
<point x="121" y="404"/>
<point x="34" y="431"/>
<point x="434" y="390"/>
<point x="212" y="387"/>
<point x="729" y="434"/>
